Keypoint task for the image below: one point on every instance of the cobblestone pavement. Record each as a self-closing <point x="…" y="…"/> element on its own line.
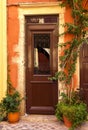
<point x="38" y="122"/>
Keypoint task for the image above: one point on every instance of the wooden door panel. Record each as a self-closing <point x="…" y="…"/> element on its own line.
<point x="44" y="98"/>
<point x="41" y="63"/>
<point x="85" y="51"/>
<point x="84" y="72"/>
<point x="42" y="94"/>
<point x="85" y="75"/>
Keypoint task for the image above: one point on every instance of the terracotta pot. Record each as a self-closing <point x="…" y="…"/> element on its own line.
<point x="13" y="117"/>
<point x="67" y="122"/>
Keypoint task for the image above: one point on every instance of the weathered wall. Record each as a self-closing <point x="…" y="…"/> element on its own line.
<point x="13" y="37"/>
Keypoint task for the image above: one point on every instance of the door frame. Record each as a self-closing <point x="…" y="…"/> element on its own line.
<point x="48" y="28"/>
<point x="33" y="9"/>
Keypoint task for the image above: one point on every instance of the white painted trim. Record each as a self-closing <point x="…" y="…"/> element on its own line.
<point x="38" y="4"/>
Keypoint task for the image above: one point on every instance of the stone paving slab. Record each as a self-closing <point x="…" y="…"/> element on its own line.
<point x="38" y="122"/>
<point x="33" y="126"/>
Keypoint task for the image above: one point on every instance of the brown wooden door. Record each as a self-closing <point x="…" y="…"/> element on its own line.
<point x="41" y="63"/>
<point x="84" y="72"/>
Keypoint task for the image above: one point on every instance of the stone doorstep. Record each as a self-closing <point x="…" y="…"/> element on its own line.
<point x="39" y="118"/>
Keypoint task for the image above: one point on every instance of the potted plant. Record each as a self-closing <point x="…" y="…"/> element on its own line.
<point x="10" y="104"/>
<point x="10" y="107"/>
<point x="72" y="112"/>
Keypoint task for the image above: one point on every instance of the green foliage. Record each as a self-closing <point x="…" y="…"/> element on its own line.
<point x="3" y="113"/>
<point x="10" y="103"/>
<point x="9" y="83"/>
<point x="77" y="29"/>
<point x="80" y="114"/>
<point x="75" y="110"/>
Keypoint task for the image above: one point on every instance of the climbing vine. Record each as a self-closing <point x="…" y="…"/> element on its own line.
<point x="77" y="30"/>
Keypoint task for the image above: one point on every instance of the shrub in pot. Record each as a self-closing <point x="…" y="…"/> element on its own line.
<point x="74" y="110"/>
<point x="10" y="107"/>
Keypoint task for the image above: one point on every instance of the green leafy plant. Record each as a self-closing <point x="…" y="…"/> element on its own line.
<point x="10" y="103"/>
<point x="3" y="113"/>
<point x="75" y="110"/>
<point x="10" y="88"/>
<point x="77" y="30"/>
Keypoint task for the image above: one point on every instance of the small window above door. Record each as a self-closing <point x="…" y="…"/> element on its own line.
<point x="41" y="19"/>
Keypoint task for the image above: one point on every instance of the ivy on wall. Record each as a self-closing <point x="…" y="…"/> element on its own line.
<point x="77" y="30"/>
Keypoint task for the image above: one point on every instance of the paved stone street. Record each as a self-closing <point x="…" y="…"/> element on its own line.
<point x="38" y="122"/>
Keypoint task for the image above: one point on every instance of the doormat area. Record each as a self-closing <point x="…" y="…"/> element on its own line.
<point x="32" y="126"/>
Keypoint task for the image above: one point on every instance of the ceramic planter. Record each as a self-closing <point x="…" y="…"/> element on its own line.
<point x="67" y="122"/>
<point x="13" y="117"/>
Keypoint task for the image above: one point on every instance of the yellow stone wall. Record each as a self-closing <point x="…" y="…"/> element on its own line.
<point x="3" y="49"/>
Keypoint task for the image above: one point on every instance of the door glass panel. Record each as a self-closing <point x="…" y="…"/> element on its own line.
<point x="42" y="53"/>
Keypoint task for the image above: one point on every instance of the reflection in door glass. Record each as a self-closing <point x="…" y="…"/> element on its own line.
<point x="42" y="53"/>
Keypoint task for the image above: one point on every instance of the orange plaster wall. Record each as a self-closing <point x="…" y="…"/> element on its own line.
<point x="85" y="4"/>
<point x="12" y="37"/>
<point x="69" y="19"/>
<point x="13" y="34"/>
